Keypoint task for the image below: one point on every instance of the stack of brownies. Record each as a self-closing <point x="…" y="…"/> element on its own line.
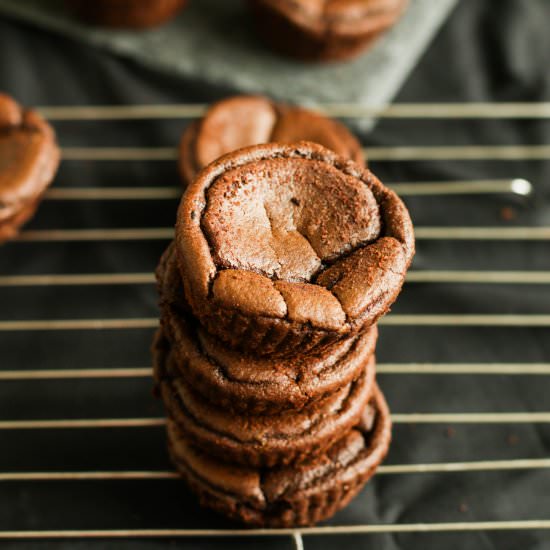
<point x="285" y="256"/>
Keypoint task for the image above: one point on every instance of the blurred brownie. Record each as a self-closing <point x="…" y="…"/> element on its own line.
<point x="259" y="440"/>
<point x="323" y="30"/>
<point x="29" y="157"/>
<point x="286" y="248"/>
<point x="136" y="14"/>
<point x="294" y="495"/>
<point x="249" y="120"/>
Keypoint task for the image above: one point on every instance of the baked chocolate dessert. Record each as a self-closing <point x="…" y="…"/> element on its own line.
<point x="265" y="385"/>
<point x="287" y="248"/>
<point x="324" y="30"/>
<point x="249" y="120"/>
<point x="259" y="440"/>
<point x="290" y="495"/>
<point x="29" y="157"/>
<point x="137" y="14"/>
<point x="169" y="283"/>
<point x="255" y="385"/>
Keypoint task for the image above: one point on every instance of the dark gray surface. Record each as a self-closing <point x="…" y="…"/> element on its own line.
<point x="214" y="42"/>
<point x="482" y="54"/>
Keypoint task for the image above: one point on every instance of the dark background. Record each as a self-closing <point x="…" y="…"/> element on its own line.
<point x="487" y="51"/>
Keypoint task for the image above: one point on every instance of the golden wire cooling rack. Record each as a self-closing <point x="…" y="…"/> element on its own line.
<point x="66" y="195"/>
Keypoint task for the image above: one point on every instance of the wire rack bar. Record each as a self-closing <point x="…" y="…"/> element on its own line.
<point x="68" y="374"/>
<point x="476" y="466"/>
<point x="517" y="186"/>
<point x="398" y="153"/>
<point x="382" y="368"/>
<point x="87" y="476"/>
<point x="119" y="153"/>
<point x="122" y="112"/>
<point x="535" y="524"/>
<point x="79" y="279"/>
<point x="459" y="152"/>
<point x="67" y="235"/>
<point x="112" y="193"/>
<point x="79" y="324"/>
<point x="397" y="418"/>
<point x="483" y="233"/>
<point x="166" y="233"/>
<point x="462" y="368"/>
<point x="81" y="423"/>
<point x="392" y="469"/>
<point x="473" y="418"/>
<point x="484" y="277"/>
<point x="468" y="320"/>
<point x="424" y="276"/>
<point x="472" y="320"/>
<point x="297" y="541"/>
<point x="396" y="110"/>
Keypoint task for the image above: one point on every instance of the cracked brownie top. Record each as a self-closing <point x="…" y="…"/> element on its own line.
<point x="295" y="233"/>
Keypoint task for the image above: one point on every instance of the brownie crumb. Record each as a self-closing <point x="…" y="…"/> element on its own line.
<point x="450" y="432"/>
<point x="508" y="214"/>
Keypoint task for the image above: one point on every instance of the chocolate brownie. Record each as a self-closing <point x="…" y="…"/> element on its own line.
<point x="265" y="385"/>
<point x="126" y="13"/>
<point x="169" y="284"/>
<point x="241" y="121"/>
<point x="29" y="157"/>
<point x="260" y="440"/>
<point x="289" y="495"/>
<point x="285" y="248"/>
<point x="323" y="30"/>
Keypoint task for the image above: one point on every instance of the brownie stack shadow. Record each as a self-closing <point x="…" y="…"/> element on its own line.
<point x="264" y="358"/>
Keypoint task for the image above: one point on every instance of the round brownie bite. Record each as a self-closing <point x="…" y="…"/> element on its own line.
<point x="288" y="496"/>
<point x="29" y="157"/>
<point x="284" y="248"/>
<point x="241" y="121"/>
<point x="324" y="30"/>
<point x="290" y="436"/>
<point x="131" y="14"/>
